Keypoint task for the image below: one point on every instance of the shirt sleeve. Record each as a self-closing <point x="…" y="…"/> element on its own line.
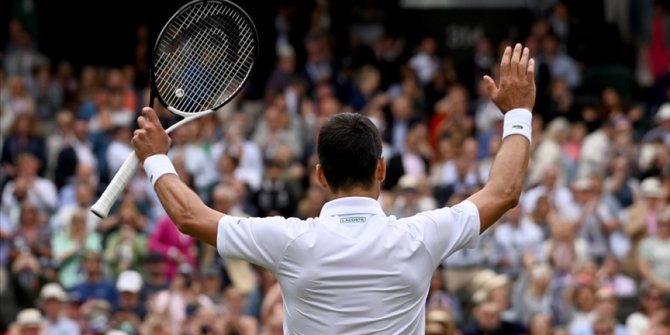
<point x="261" y="241"/>
<point x="446" y="230"/>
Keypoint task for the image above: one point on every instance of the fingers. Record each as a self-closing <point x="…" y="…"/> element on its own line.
<point x="141" y="122"/>
<point x="530" y="71"/>
<point x="505" y="63"/>
<point x="514" y="61"/>
<point x="150" y="114"/>
<point x="490" y="86"/>
<point x="523" y="62"/>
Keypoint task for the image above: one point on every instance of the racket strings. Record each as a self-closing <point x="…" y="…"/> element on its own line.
<point x="235" y="80"/>
<point x="232" y="76"/>
<point x="201" y="39"/>
<point x="204" y="57"/>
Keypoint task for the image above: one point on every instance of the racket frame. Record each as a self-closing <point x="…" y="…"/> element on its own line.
<point x="115" y="187"/>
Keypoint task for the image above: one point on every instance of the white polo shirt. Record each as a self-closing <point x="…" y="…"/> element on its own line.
<point x="352" y="270"/>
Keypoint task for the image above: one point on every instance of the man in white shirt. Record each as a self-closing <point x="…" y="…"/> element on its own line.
<point x="52" y="300"/>
<point x="425" y="63"/>
<point x="516" y="236"/>
<point x="118" y="150"/>
<point x="354" y="270"/>
<point x="595" y="150"/>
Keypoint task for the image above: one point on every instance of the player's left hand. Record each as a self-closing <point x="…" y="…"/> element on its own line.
<point x="517" y="80"/>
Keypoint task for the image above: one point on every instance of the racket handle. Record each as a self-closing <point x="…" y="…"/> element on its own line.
<point x="115" y="188"/>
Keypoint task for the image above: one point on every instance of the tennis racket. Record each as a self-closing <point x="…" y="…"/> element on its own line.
<point x="202" y="58"/>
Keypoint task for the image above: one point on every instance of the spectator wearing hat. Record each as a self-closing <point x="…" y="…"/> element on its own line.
<point x="640" y="220"/>
<point x="130" y="309"/>
<point x="489" y="286"/>
<point x="69" y="246"/>
<point x="654" y="254"/>
<point x="439" y="322"/>
<point x="644" y="213"/>
<point x="52" y="301"/>
<point x="28" y="322"/>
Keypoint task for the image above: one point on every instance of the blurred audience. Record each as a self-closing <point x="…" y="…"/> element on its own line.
<point x="586" y="251"/>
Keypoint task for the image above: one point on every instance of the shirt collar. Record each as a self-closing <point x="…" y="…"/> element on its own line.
<point x="351" y="205"/>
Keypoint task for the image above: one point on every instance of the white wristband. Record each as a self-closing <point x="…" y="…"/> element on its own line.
<point x="156" y="166"/>
<point x="518" y="121"/>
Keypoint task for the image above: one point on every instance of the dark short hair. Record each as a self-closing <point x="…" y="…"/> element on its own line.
<point x="349" y="146"/>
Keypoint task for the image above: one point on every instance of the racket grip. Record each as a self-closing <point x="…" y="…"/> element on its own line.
<point x="115" y="188"/>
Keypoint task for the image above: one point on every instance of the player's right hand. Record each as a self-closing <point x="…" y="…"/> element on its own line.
<point x="150" y="139"/>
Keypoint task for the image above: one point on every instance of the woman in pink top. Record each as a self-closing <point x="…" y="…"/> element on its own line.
<point x="177" y="248"/>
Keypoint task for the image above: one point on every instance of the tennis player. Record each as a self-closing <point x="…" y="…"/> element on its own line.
<point x="353" y="269"/>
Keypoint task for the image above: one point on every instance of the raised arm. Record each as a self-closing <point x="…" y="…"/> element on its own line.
<point x="515" y="96"/>
<point x="182" y="204"/>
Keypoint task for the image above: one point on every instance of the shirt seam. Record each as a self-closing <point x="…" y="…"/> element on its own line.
<point x="288" y="245"/>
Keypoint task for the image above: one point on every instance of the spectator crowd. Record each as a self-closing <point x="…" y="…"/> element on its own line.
<point x="586" y="251"/>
